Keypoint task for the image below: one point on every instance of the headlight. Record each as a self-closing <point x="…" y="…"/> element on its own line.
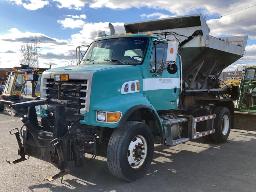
<point x="101" y="116"/>
<point x="109" y="117"/>
<point x="56" y="77"/>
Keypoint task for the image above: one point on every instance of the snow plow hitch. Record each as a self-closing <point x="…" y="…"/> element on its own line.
<point x="21" y="150"/>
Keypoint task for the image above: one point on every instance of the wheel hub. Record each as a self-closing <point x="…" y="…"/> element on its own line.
<point x="137" y="152"/>
<point x="225" y="125"/>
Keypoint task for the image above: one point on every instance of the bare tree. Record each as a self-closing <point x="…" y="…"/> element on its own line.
<point x="30" y="54"/>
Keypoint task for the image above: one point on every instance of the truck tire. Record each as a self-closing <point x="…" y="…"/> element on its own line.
<point x="222" y="125"/>
<point x="1" y="107"/>
<point x="130" y="151"/>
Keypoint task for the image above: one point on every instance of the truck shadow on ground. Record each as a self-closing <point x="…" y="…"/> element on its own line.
<point x="205" y="167"/>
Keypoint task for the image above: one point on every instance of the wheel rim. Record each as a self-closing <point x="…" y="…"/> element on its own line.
<point x="137" y="152"/>
<point x="225" y="124"/>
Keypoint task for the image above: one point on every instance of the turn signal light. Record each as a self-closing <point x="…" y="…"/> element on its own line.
<point x="64" y="77"/>
<point x="113" y="117"/>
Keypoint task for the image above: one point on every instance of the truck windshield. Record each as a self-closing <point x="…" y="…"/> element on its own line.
<point x="250" y="74"/>
<point x="120" y="51"/>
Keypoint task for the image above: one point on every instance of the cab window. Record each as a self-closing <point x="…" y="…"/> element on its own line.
<point x="19" y="82"/>
<point x="250" y="74"/>
<point x="159" y="55"/>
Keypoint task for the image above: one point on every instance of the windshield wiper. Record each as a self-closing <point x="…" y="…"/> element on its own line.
<point x="88" y="60"/>
<point x="115" y="60"/>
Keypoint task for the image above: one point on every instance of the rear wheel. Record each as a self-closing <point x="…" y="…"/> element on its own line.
<point x="130" y="151"/>
<point x="1" y="107"/>
<point x="222" y="125"/>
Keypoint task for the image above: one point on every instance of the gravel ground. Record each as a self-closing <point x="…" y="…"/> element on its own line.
<point x="191" y="167"/>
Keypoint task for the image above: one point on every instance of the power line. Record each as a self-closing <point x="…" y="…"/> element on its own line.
<point x="231" y="12"/>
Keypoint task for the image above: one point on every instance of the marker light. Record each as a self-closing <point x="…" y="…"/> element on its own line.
<point x="171" y="50"/>
<point x="130" y="87"/>
<point x="138" y="86"/>
<point x="64" y="77"/>
<point x="126" y="88"/>
<point x="133" y="86"/>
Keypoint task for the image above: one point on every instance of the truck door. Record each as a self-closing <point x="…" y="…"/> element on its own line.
<point x="161" y="84"/>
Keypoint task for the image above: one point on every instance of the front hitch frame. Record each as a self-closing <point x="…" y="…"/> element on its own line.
<point x="21" y="150"/>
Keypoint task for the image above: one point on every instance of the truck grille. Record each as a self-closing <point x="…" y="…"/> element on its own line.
<point x="73" y="93"/>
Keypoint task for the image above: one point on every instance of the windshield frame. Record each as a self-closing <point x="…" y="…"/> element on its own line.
<point x="83" y="62"/>
<point x="246" y="77"/>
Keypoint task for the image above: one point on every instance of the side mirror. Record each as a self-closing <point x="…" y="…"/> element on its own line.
<point x="80" y="53"/>
<point x="159" y="52"/>
<point x="172" y="68"/>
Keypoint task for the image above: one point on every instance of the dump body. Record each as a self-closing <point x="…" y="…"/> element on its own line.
<point x="202" y="54"/>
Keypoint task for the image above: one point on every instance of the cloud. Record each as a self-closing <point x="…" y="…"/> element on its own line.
<point x="57" y="56"/>
<point x="250" y="54"/>
<point x="83" y="16"/>
<point x="9" y="60"/>
<point x="38" y="4"/>
<point x="251" y="50"/>
<point x="50" y="49"/>
<point x="240" y="23"/>
<point x="71" y="4"/>
<point x="247" y="60"/>
<point x="8" y="51"/>
<point x="90" y="31"/>
<point x="73" y="21"/>
<point x="177" y="7"/>
<point x="239" y="19"/>
<point x="15" y="35"/>
<point x="155" y="15"/>
<point x="31" y="4"/>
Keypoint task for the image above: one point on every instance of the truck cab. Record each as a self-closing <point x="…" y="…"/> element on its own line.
<point x="116" y="75"/>
<point x="131" y="91"/>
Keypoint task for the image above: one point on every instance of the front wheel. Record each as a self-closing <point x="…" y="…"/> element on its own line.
<point x="130" y="151"/>
<point x="222" y="125"/>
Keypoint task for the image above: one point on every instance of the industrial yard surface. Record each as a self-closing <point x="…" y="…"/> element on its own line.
<point x="192" y="167"/>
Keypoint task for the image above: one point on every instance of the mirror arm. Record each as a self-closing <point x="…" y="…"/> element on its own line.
<point x="78" y="53"/>
<point x="155" y="60"/>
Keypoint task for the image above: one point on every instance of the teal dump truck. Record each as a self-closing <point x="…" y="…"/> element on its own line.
<point x="158" y="83"/>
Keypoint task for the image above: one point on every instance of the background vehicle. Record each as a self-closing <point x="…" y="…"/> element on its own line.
<point x="1" y="89"/>
<point x="157" y="84"/>
<point x="247" y="99"/>
<point x="246" y="108"/>
<point x="4" y="72"/>
<point x="22" y="84"/>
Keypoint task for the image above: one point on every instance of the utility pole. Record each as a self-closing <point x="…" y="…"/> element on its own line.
<point x="30" y="54"/>
<point x="30" y="61"/>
